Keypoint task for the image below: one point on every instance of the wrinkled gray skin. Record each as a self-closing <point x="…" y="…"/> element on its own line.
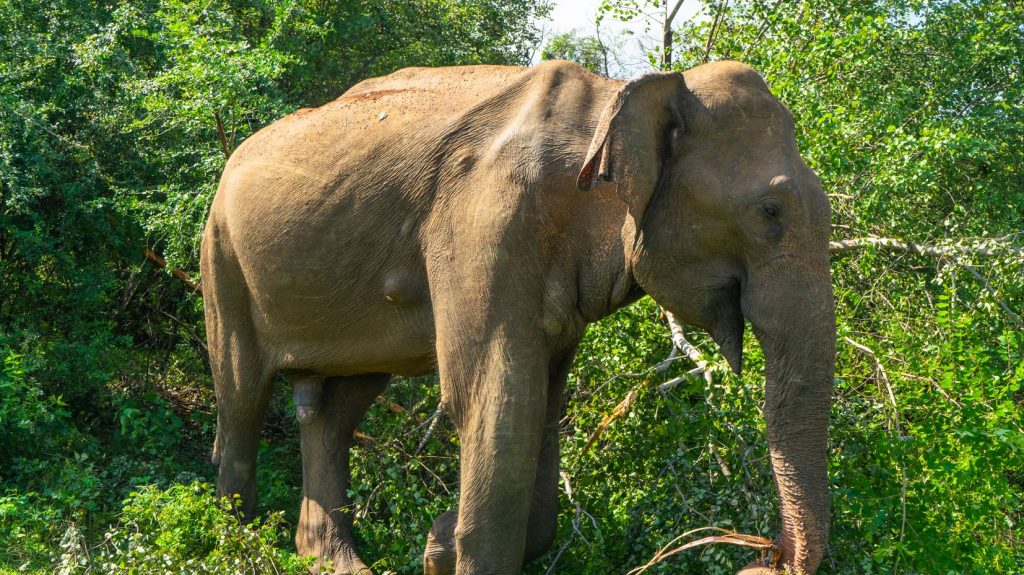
<point x="473" y="221"/>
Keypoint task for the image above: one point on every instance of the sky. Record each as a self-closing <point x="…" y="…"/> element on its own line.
<point x="579" y="15"/>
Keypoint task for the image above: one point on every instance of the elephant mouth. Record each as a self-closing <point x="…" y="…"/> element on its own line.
<point x="726" y="325"/>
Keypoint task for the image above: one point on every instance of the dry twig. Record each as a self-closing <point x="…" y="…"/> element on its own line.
<point x="183" y="277"/>
<point x="939" y="251"/>
<point x="618" y="413"/>
<point x="922" y="249"/>
<point x="730" y="537"/>
<point x="896" y="421"/>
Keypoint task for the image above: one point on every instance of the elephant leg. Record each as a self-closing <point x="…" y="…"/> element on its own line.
<point x="439" y="554"/>
<point x="543" y="522"/>
<point x="243" y="387"/>
<point x="439" y="557"/>
<point x="325" y="520"/>
<point x="497" y="400"/>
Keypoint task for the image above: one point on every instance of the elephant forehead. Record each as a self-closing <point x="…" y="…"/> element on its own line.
<point x="716" y="111"/>
<point x="725" y="76"/>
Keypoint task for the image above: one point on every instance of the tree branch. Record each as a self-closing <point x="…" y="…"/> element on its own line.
<point x="695" y="355"/>
<point x="667" y="36"/>
<point x="183" y="277"/>
<point x="939" y="251"/>
<point x="922" y="249"/>
<point x="761" y="30"/>
<point x="221" y="135"/>
<point x="714" y="28"/>
<point x="991" y="290"/>
<point x="896" y="421"/>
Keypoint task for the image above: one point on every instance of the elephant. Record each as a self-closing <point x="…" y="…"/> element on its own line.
<point x="472" y="221"/>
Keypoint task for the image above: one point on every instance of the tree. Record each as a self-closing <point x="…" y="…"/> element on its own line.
<point x="586" y="51"/>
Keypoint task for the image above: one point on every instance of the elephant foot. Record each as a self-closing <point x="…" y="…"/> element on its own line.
<point x="321" y="536"/>
<point x="343" y="563"/>
<point x="756" y="568"/>
<point x="769" y="564"/>
<point x="343" y="560"/>
<point x="356" y="567"/>
<point x="439" y="555"/>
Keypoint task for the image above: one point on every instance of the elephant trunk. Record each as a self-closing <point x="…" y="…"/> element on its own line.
<point x="791" y="309"/>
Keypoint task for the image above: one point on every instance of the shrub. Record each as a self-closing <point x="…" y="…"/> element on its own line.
<point x="182" y="529"/>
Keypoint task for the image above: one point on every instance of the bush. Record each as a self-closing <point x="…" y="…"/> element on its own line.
<point x="182" y="529"/>
<point x="28" y="526"/>
<point x="30" y="421"/>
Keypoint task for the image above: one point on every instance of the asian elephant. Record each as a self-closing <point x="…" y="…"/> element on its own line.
<point x="473" y="221"/>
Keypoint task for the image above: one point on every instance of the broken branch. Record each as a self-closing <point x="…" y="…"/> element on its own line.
<point x="727" y="536"/>
<point x="939" y="251"/>
<point x="922" y="249"/>
<point x="618" y="413"/>
<point x="183" y="277"/>
<point x="682" y="344"/>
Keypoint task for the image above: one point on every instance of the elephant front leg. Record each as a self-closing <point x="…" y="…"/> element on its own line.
<point x="498" y="401"/>
<point x="439" y="555"/>
<point x="325" y="520"/>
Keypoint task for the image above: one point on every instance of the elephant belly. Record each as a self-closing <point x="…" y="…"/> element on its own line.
<point x="347" y="325"/>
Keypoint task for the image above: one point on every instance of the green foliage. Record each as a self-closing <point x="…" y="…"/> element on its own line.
<point x="586" y="51"/>
<point x="183" y="529"/>
<point x="402" y="489"/>
<point x="29" y="420"/>
<point x="26" y="530"/>
<point x="688" y="457"/>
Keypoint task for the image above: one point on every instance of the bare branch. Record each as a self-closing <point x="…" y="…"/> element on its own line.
<point x="884" y="377"/>
<point x="923" y="249"/>
<point x="430" y="429"/>
<point x="183" y="277"/>
<point x="766" y="545"/>
<point x="677" y="380"/>
<point x="667" y="37"/>
<point x="684" y="345"/>
<point x="663" y="366"/>
<point x="939" y="251"/>
<point x="714" y="28"/>
<point x="988" y="287"/>
<point x="221" y="135"/>
<point x="896" y="420"/>
<point x="672" y="14"/>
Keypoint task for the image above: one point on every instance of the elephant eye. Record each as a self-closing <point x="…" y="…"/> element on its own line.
<point x="770" y="211"/>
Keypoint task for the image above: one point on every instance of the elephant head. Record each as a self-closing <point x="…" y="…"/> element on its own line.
<point x="729" y="225"/>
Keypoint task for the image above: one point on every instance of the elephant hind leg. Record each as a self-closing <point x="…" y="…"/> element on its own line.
<point x="325" y="520"/>
<point x="242" y="379"/>
<point x="439" y="555"/>
<point x="243" y="391"/>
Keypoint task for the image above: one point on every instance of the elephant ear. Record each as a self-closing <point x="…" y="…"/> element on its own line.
<point x="629" y="145"/>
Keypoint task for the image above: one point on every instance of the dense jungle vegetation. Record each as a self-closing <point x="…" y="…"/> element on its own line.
<point x="116" y="117"/>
